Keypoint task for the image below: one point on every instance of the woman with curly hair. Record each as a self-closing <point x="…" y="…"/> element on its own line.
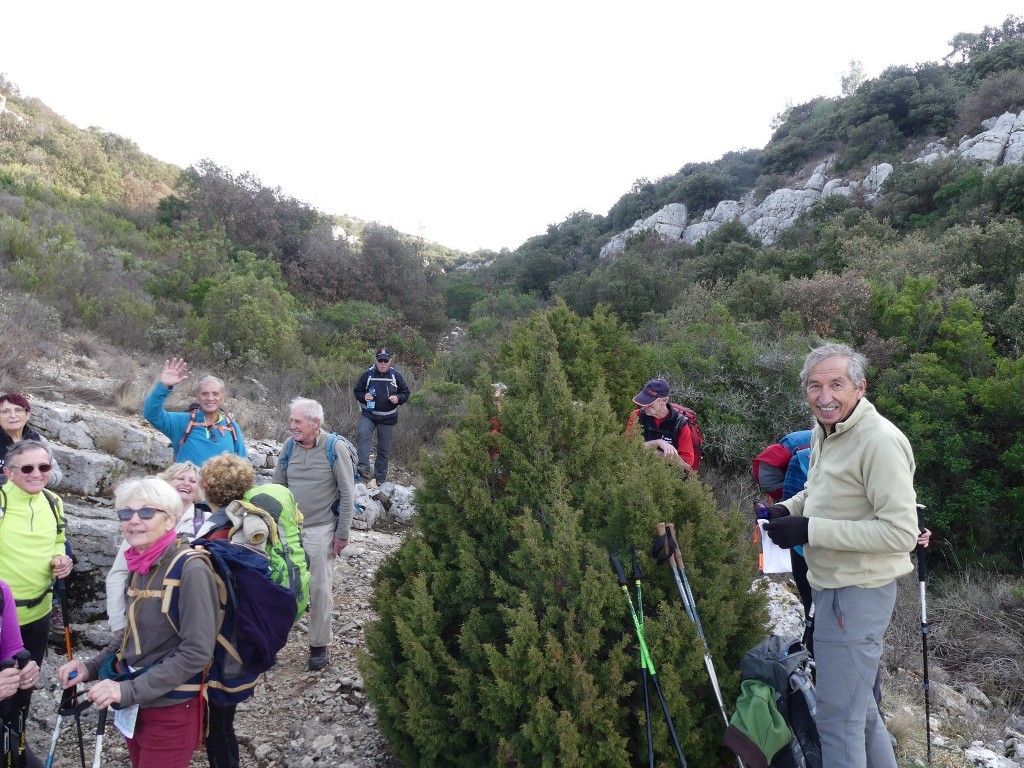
<point x="224" y="479"/>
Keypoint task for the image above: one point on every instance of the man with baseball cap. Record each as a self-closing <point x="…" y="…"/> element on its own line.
<point x="665" y="429"/>
<point x="380" y="390"/>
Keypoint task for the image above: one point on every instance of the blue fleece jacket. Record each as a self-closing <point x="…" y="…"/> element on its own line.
<point x="202" y="442"/>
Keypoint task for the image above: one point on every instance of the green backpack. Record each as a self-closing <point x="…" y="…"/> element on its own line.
<point x="288" y="562"/>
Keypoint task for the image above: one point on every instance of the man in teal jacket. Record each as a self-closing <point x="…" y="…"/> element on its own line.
<point x="857" y="520"/>
<point x="205" y="429"/>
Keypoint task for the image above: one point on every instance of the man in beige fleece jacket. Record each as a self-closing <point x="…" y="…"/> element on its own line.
<point x="857" y="518"/>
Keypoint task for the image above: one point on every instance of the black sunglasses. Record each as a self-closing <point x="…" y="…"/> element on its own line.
<point x="146" y="513"/>
<point x="28" y="469"/>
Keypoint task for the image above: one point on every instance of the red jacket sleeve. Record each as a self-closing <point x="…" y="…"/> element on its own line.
<point x="631" y="420"/>
<point x="684" y="445"/>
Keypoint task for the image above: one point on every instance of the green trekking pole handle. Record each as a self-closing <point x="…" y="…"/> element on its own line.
<point x="645" y="654"/>
<point x="645" y="658"/>
<point x="638" y="576"/>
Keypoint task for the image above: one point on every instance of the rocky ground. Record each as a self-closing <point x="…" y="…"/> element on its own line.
<point x="297" y="718"/>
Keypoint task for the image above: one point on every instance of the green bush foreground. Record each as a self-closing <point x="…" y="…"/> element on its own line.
<point x="504" y="638"/>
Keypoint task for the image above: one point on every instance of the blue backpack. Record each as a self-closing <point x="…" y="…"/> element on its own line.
<point x="332" y="453"/>
<point x="254" y="619"/>
<point x="332" y="457"/>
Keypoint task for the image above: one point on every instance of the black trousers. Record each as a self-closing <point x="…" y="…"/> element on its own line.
<point x="34" y="636"/>
<point x="221" y="742"/>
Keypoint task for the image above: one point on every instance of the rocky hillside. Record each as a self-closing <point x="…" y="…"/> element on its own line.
<point x="1001" y="143"/>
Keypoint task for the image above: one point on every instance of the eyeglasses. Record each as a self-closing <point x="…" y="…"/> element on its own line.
<point x="28" y="469"/>
<point x="12" y="411"/>
<point x="146" y="513"/>
<point x="383" y="359"/>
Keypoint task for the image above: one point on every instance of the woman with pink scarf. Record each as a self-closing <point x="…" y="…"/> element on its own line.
<point x="152" y="675"/>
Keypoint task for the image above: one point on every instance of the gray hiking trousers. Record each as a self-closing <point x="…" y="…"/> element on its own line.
<point x="367" y="427"/>
<point x="849" y="624"/>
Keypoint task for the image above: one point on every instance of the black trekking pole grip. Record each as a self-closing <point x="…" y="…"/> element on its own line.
<point x="637" y="573"/>
<point x="673" y="545"/>
<point x="614" y="558"/>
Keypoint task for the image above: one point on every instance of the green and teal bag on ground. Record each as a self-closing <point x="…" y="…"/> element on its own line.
<point x="288" y="566"/>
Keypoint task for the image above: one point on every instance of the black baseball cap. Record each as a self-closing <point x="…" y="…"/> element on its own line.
<point x="383" y="354"/>
<point x="653" y="389"/>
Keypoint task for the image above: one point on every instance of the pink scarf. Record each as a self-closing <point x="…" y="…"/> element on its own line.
<point x="141" y="562"/>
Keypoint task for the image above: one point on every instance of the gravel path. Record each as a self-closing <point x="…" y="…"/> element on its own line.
<point x="296" y="718"/>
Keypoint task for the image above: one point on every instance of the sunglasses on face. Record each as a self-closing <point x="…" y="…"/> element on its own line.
<point x="146" y="513"/>
<point x="28" y="469"/>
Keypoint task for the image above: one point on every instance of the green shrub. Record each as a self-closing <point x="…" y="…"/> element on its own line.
<point x="503" y="637"/>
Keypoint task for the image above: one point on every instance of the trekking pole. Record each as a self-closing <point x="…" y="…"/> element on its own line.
<point x="645" y="654"/>
<point x="637" y="578"/>
<point x="69" y="700"/>
<point x="922" y="580"/>
<point x="670" y="548"/>
<point x="21" y="699"/>
<point x="101" y="724"/>
<point x="7" y="714"/>
<point x="69" y="707"/>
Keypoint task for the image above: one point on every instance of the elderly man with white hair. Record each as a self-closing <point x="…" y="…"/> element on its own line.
<point x="324" y="490"/>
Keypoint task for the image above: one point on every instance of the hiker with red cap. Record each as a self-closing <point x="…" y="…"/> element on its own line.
<point x="667" y="428"/>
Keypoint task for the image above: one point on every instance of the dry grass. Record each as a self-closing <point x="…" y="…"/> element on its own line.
<point x="29" y="327"/>
<point x="975" y="650"/>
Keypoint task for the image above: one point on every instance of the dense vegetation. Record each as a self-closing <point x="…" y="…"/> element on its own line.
<point x="502" y="613"/>
<point x="503" y="638"/>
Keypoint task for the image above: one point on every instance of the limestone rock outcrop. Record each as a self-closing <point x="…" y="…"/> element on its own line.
<point x="1001" y="143"/>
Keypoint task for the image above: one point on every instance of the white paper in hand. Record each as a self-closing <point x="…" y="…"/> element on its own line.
<point x="774" y="558"/>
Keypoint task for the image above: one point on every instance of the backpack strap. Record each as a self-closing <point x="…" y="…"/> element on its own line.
<point x="52" y="499"/>
<point x="682" y="420"/>
<point x="332" y="456"/>
<point x="227" y="426"/>
<point x="286" y="455"/>
<point x="188" y="430"/>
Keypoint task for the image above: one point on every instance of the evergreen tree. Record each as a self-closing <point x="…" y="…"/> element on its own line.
<point x="503" y="637"/>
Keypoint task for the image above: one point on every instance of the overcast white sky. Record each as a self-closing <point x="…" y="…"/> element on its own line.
<point x="471" y="123"/>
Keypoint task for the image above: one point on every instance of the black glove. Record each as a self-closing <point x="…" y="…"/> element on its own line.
<point x="788" y="532"/>
<point x="775" y="511"/>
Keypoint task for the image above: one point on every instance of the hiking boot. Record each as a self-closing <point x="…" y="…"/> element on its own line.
<point x="364" y="472"/>
<point x="57" y="623"/>
<point x="317" y="658"/>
